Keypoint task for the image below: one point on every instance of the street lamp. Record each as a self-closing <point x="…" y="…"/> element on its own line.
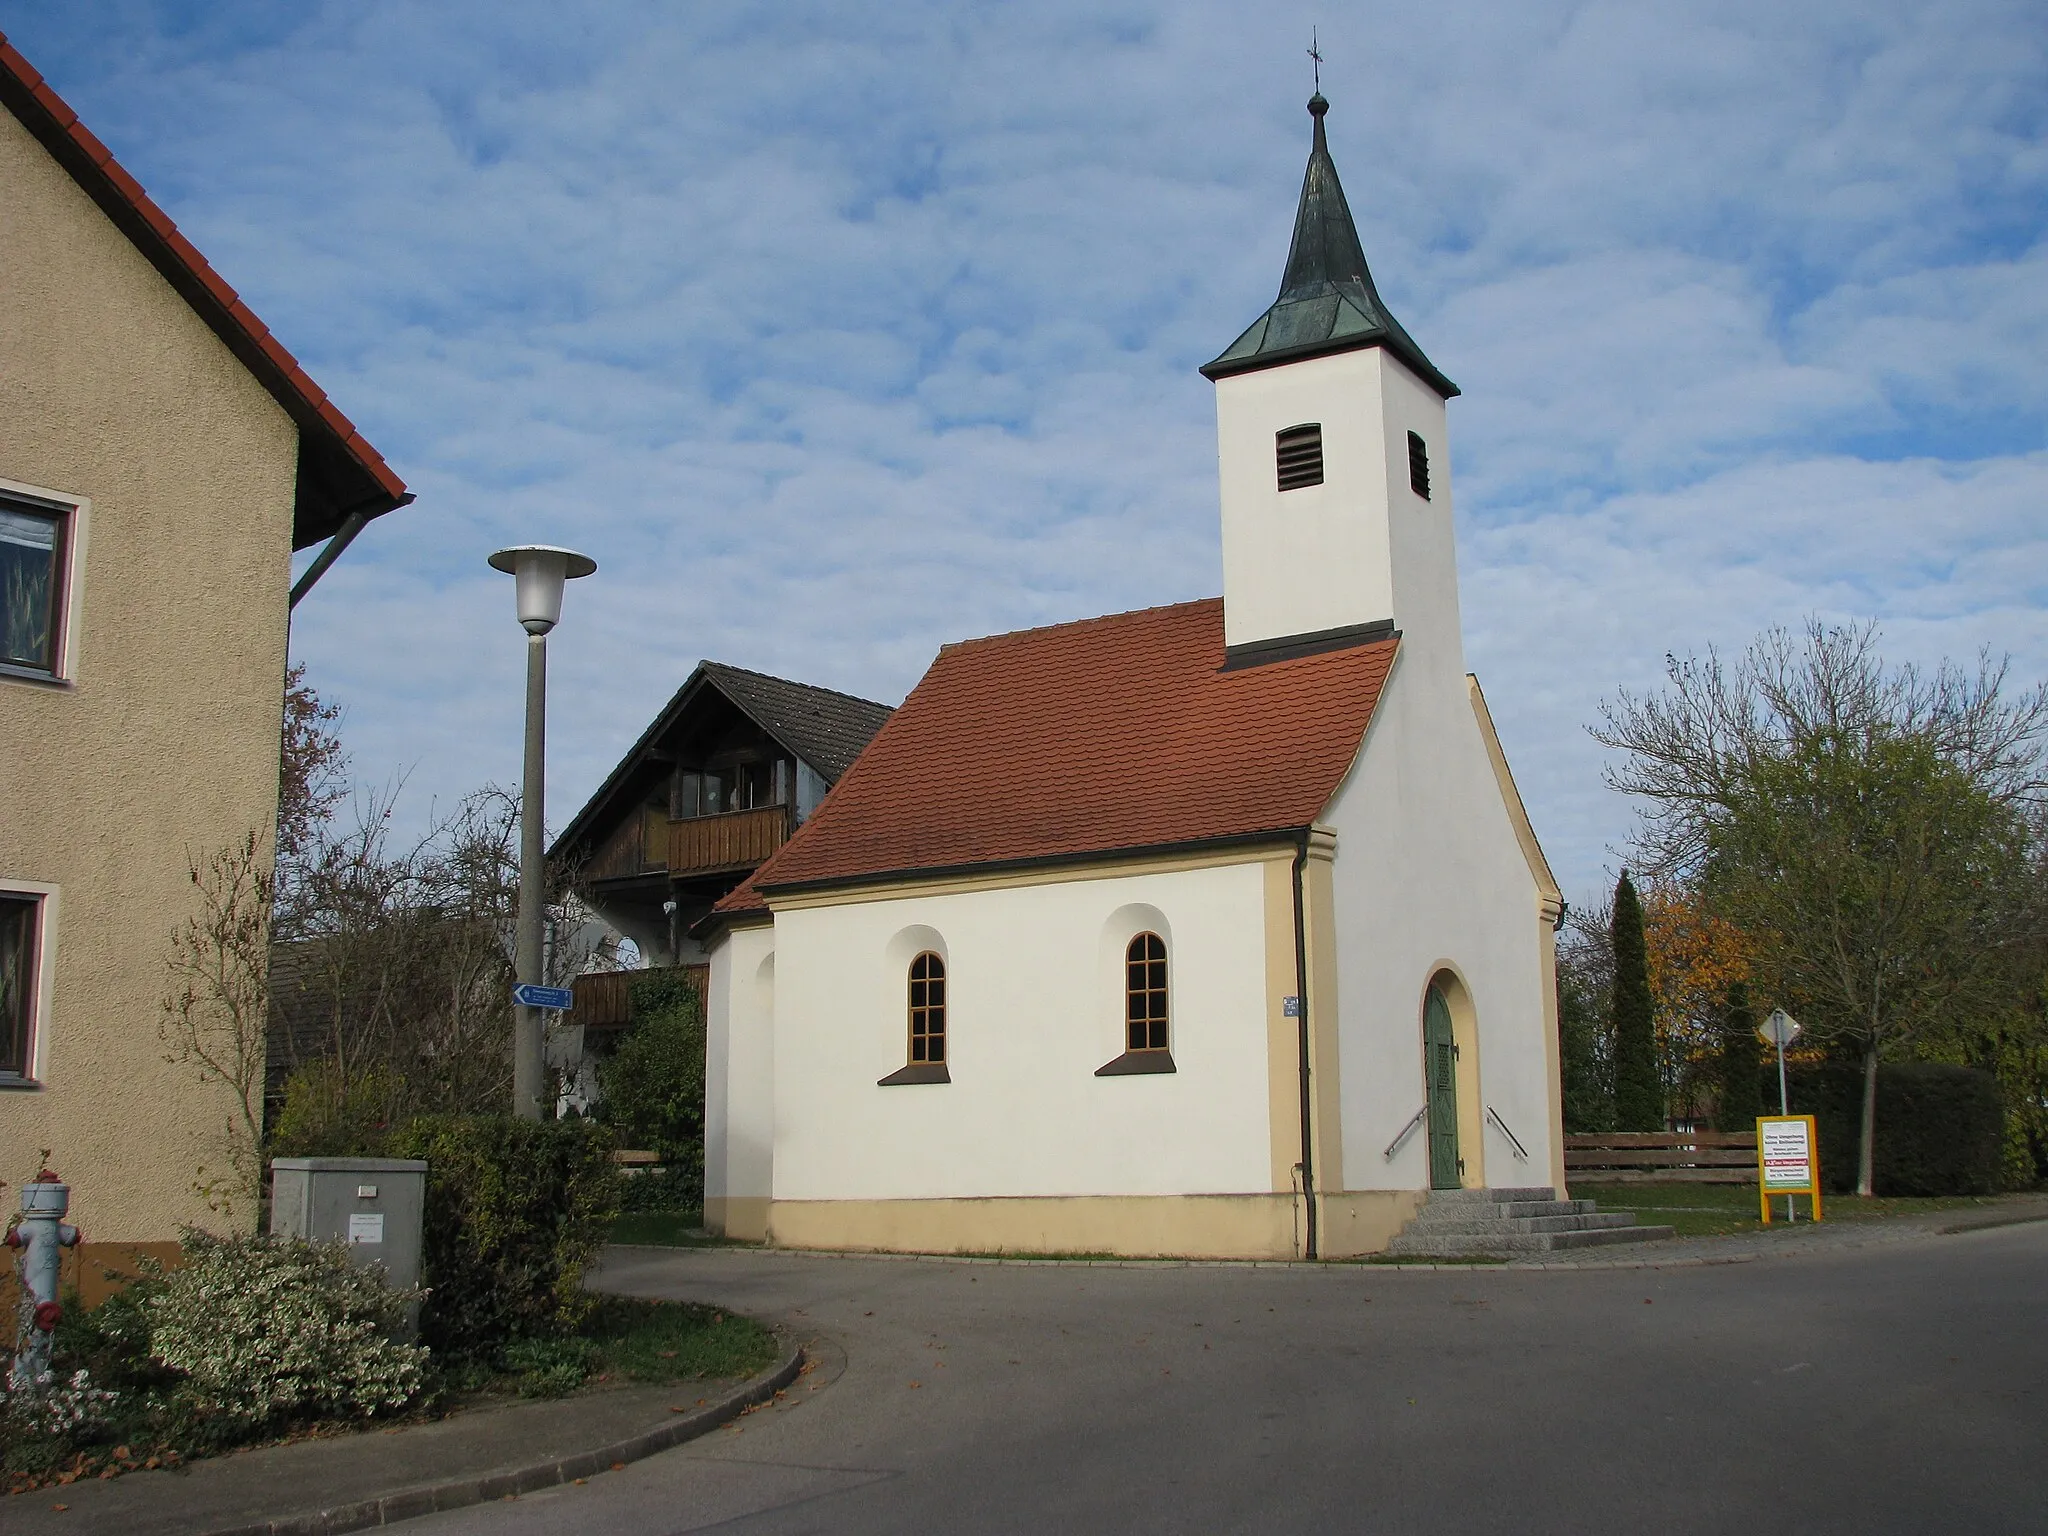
<point x="538" y="570"/>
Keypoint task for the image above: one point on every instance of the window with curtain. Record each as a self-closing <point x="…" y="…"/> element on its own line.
<point x="31" y="586"/>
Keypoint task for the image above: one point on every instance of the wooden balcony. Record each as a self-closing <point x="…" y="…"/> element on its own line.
<point x="604" y="999"/>
<point x="708" y="845"/>
<point x="651" y="844"/>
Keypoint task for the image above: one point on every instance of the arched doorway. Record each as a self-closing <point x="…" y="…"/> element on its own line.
<point x="1440" y="1076"/>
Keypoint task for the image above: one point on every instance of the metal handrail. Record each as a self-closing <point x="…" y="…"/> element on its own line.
<point x="1494" y="1115"/>
<point x="1395" y="1145"/>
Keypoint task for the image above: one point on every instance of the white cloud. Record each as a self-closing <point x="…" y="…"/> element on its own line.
<point x="839" y="332"/>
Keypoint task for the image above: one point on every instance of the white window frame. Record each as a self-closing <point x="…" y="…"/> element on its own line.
<point x="42" y="985"/>
<point x="77" y="512"/>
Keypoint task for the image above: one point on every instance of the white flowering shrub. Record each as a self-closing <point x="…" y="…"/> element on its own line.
<point x="51" y="1408"/>
<point x="270" y="1328"/>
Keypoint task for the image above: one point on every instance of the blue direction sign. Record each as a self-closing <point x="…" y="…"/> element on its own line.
<point x="527" y="995"/>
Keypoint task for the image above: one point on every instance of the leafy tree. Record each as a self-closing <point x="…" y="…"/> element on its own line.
<point x="1638" y="1086"/>
<point x="1875" y="832"/>
<point x="1588" y="1095"/>
<point x="653" y="1086"/>
<point x="1695" y="956"/>
<point x="1741" y="1093"/>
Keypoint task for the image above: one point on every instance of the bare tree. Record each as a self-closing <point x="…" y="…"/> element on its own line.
<point x="399" y="982"/>
<point x="215" y="1014"/>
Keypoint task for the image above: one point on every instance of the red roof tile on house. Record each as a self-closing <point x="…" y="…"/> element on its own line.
<point x="1109" y="735"/>
<point x="339" y="472"/>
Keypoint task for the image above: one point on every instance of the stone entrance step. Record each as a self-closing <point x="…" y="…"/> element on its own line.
<point x="1466" y="1223"/>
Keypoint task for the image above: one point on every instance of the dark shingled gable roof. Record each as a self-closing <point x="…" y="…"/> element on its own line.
<point x="825" y="728"/>
<point x="1120" y="734"/>
<point x="339" y="472"/>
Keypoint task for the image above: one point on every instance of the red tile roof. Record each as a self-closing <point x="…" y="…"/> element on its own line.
<point x="339" y="471"/>
<point x="1110" y="735"/>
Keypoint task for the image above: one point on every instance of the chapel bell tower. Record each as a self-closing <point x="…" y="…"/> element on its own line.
<point x="1334" y="464"/>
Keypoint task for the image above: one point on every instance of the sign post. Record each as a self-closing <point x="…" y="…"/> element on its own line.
<point x="1781" y="1029"/>
<point x="1787" y="1162"/>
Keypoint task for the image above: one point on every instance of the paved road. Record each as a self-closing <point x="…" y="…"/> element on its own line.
<point x="1902" y="1388"/>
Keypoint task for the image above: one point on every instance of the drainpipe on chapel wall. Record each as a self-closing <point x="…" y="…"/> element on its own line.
<point x="1308" y="1177"/>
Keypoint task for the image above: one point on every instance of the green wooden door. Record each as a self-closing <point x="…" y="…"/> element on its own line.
<point x="1440" y="1065"/>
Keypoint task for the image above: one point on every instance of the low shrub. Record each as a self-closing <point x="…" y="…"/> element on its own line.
<point x="262" y="1330"/>
<point x="662" y="1189"/>
<point x="550" y="1367"/>
<point x="1940" y="1129"/>
<point x="327" y="1115"/>
<point x="248" y="1338"/>
<point x="515" y="1212"/>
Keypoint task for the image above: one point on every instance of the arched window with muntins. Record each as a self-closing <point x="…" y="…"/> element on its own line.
<point x="1145" y="993"/>
<point x="928" y="1009"/>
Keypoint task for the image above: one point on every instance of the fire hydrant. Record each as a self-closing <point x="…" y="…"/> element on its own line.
<point x="40" y="1238"/>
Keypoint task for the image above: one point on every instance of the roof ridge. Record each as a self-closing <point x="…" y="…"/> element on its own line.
<point x="791" y="682"/>
<point x="1067" y="624"/>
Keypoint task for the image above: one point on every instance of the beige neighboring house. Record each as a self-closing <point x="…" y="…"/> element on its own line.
<point x="161" y="457"/>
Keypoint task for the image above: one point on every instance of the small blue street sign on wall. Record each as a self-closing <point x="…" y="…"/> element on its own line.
<point x="1290" y="1007"/>
<point x="527" y="995"/>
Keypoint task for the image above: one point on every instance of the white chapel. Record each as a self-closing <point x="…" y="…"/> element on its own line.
<point x="1210" y="930"/>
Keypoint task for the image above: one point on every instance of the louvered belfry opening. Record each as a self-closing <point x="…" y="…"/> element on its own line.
<point x="1299" y="454"/>
<point x="1418" y="465"/>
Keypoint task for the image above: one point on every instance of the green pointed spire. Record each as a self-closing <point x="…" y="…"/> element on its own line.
<point x="1327" y="301"/>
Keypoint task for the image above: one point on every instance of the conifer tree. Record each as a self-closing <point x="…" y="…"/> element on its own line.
<point x="1588" y="1101"/>
<point x="1741" y="1090"/>
<point x="1638" y="1091"/>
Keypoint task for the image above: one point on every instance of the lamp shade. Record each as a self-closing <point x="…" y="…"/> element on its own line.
<point x="538" y="571"/>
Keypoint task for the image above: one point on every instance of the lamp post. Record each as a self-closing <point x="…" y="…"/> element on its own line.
<point x="539" y="571"/>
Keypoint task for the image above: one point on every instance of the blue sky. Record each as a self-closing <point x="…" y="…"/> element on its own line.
<point x="838" y="332"/>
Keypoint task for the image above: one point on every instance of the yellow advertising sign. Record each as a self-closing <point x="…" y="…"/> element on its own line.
<point x="1787" y="1160"/>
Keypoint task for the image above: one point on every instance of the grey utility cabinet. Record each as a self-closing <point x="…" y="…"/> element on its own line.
<point x="373" y="1204"/>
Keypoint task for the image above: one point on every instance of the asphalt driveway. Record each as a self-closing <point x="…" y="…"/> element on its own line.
<point x="1898" y="1388"/>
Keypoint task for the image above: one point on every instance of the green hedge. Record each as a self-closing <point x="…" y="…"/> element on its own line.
<point x="651" y="1089"/>
<point x="515" y="1212"/>
<point x="1940" y="1129"/>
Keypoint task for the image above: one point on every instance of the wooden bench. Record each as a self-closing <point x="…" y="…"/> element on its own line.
<point x="1656" y="1157"/>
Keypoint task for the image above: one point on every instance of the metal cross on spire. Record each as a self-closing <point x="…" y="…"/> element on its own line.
<point x="1315" y="52"/>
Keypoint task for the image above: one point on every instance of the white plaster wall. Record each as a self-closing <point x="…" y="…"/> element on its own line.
<point x="1428" y="875"/>
<point x="739" y="1065"/>
<point x="1035" y="1005"/>
<point x="1360" y="547"/>
<point x="1428" y="872"/>
<point x="1295" y="562"/>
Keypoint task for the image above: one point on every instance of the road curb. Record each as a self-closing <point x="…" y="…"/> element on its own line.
<point x="1989" y="1222"/>
<point x="461" y="1492"/>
